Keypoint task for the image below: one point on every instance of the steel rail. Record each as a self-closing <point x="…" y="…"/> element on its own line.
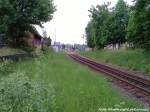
<point x="133" y="78"/>
<point x="119" y="72"/>
<point x="125" y="78"/>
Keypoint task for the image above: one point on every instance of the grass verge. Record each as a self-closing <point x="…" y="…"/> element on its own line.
<point x="77" y="89"/>
<point x="136" y="60"/>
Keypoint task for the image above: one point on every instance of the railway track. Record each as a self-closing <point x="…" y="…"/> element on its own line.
<point x="138" y="86"/>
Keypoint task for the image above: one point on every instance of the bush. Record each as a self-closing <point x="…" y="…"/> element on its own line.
<point x="19" y="94"/>
<point x="28" y="49"/>
<point x="5" y="68"/>
<point x="47" y="49"/>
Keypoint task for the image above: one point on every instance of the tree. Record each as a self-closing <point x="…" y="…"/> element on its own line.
<point x="46" y="40"/>
<point x="44" y="34"/>
<point x="120" y="25"/>
<point x="107" y="26"/>
<point x="131" y="29"/>
<point x="141" y="24"/>
<point x="90" y="35"/>
<point x="19" y="13"/>
<point x="120" y="22"/>
<point x="99" y="16"/>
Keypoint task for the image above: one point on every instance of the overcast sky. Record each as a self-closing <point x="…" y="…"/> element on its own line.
<point x="71" y="18"/>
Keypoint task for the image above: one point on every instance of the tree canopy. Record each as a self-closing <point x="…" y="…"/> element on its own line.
<point x="139" y="24"/>
<point x="119" y="25"/>
<point x="107" y="26"/>
<point x="17" y="15"/>
<point x="120" y="21"/>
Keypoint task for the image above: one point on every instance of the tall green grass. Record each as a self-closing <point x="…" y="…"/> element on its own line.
<point x="19" y="94"/>
<point x="137" y="60"/>
<point x="77" y="89"/>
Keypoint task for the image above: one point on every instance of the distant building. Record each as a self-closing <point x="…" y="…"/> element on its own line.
<point x="80" y="47"/>
<point x="34" y="40"/>
<point x="69" y="47"/>
<point x="117" y="47"/>
<point x="57" y="46"/>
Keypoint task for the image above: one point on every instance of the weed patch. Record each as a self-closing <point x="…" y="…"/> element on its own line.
<point x="19" y="94"/>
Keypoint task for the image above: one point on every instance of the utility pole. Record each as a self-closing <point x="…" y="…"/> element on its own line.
<point x="55" y="34"/>
<point x="83" y="38"/>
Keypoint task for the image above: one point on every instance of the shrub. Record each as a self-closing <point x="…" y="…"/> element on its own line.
<point x="47" y="49"/>
<point x="147" y="69"/>
<point x="5" y="68"/>
<point x="19" y="94"/>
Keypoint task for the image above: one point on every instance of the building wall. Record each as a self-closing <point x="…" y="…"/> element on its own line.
<point x="32" y="41"/>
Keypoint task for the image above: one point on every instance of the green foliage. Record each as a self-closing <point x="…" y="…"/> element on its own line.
<point x="120" y="25"/>
<point x="6" y="68"/>
<point x="90" y="35"/>
<point x="96" y="30"/>
<point x="19" y="94"/>
<point x="17" y="14"/>
<point x="107" y="26"/>
<point x="140" y="24"/>
<point x="131" y="28"/>
<point x="131" y="59"/>
<point x="26" y="11"/>
<point x="47" y="49"/>
<point x="77" y="89"/>
<point x="120" y="21"/>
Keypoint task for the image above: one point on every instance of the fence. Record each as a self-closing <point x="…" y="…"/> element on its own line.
<point x="16" y="57"/>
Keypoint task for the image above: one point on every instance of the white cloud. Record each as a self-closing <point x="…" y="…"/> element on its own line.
<point x="71" y="18"/>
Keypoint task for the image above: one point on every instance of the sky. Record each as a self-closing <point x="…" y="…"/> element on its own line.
<point x="70" y="19"/>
